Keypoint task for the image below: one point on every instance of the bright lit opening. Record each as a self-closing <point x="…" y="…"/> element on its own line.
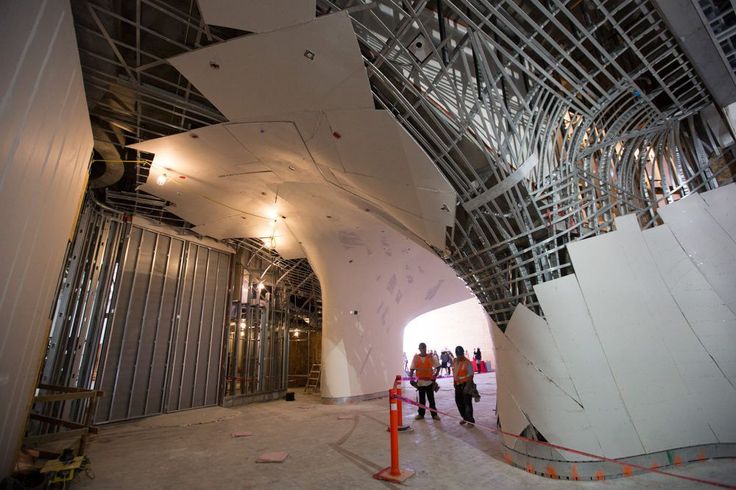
<point x="465" y="323"/>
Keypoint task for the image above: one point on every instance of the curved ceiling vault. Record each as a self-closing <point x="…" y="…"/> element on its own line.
<point x="497" y="134"/>
<point x="307" y="165"/>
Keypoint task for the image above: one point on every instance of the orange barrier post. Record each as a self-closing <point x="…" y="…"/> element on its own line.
<point x="397" y="387"/>
<point x="399" y="408"/>
<point x="393" y="473"/>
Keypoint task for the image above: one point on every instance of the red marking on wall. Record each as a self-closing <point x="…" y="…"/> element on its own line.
<point x="574" y="473"/>
<point x="552" y="472"/>
<point x="678" y="460"/>
<point x="507" y="458"/>
<point x="628" y="471"/>
<point x="529" y="468"/>
<point x="700" y="456"/>
<point x="599" y="475"/>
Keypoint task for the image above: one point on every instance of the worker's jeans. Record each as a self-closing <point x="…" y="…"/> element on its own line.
<point x="426" y="392"/>
<point x="464" y="403"/>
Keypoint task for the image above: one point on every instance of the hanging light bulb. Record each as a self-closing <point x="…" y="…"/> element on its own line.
<point x="161" y="179"/>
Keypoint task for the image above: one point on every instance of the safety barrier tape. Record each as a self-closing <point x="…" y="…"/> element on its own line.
<point x="575" y="451"/>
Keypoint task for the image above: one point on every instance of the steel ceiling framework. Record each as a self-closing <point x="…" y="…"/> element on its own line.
<point x="549" y="118"/>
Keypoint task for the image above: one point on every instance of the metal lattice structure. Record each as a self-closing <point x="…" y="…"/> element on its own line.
<point x="135" y="95"/>
<point x="549" y="118"/>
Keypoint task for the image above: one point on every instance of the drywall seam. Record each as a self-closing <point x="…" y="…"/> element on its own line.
<point x="548" y="378"/>
<point x="610" y="368"/>
<point x="682" y="312"/>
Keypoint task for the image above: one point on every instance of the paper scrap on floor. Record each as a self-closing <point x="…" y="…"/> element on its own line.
<point x="241" y="434"/>
<point x="273" y="457"/>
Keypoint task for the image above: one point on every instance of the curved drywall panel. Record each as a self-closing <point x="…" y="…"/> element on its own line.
<point x="45" y="146"/>
<point x="311" y="66"/>
<point x="636" y="353"/>
<point x="374" y="281"/>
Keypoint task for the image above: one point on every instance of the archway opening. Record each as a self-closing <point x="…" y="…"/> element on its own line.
<point x="465" y="323"/>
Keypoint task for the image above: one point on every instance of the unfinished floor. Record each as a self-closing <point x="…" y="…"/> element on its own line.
<point x="329" y="446"/>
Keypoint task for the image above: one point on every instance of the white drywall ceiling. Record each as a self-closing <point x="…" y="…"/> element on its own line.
<point x="275" y="73"/>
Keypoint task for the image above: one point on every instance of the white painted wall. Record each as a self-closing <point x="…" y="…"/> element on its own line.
<point x="45" y="145"/>
<point x="465" y="323"/>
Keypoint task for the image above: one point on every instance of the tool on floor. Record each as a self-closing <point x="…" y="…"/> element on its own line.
<point x="66" y="467"/>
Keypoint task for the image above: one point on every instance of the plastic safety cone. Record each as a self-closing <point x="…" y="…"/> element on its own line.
<point x="393" y="473"/>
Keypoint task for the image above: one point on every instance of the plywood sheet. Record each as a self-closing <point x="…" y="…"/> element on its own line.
<point x="257" y="15"/>
<point x="272" y="73"/>
<point x="572" y="328"/>
<point x="635" y="317"/>
<point x="707" y="244"/>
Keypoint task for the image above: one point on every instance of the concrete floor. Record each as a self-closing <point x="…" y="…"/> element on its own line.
<point x="194" y="450"/>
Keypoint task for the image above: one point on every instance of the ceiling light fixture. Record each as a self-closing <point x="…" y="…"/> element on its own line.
<point x="162" y="179"/>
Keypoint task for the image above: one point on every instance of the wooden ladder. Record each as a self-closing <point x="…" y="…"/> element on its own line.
<point x="313" y="379"/>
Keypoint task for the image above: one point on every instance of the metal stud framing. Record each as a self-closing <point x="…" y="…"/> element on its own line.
<point x="548" y="117"/>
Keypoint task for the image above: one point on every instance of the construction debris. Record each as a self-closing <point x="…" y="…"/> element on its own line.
<point x="272" y="457"/>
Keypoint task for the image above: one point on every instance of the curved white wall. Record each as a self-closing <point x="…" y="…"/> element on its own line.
<point x="45" y="145"/>
<point x="366" y="266"/>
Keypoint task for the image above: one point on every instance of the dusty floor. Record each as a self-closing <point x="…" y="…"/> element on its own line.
<point x="195" y="450"/>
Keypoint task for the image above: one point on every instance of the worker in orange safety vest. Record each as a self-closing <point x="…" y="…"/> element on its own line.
<point x="462" y="374"/>
<point x="427" y="368"/>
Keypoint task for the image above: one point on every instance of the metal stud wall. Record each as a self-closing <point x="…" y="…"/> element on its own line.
<point x="163" y="350"/>
<point x="141" y="316"/>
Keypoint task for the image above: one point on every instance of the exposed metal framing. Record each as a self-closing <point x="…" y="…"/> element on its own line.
<point x="131" y="297"/>
<point x="598" y="91"/>
<point x="263" y="309"/>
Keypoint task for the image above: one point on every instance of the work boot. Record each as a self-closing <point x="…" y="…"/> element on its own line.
<point x="419" y="417"/>
<point x="463" y="422"/>
<point x="435" y="416"/>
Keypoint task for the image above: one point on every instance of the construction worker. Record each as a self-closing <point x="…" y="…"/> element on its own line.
<point x="427" y="368"/>
<point x="462" y="374"/>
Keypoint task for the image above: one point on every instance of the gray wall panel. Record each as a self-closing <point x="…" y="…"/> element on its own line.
<point x="167" y="331"/>
<point x="45" y="146"/>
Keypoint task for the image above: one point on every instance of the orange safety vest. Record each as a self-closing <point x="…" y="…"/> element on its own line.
<point x="423" y="366"/>
<point x="460" y="371"/>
